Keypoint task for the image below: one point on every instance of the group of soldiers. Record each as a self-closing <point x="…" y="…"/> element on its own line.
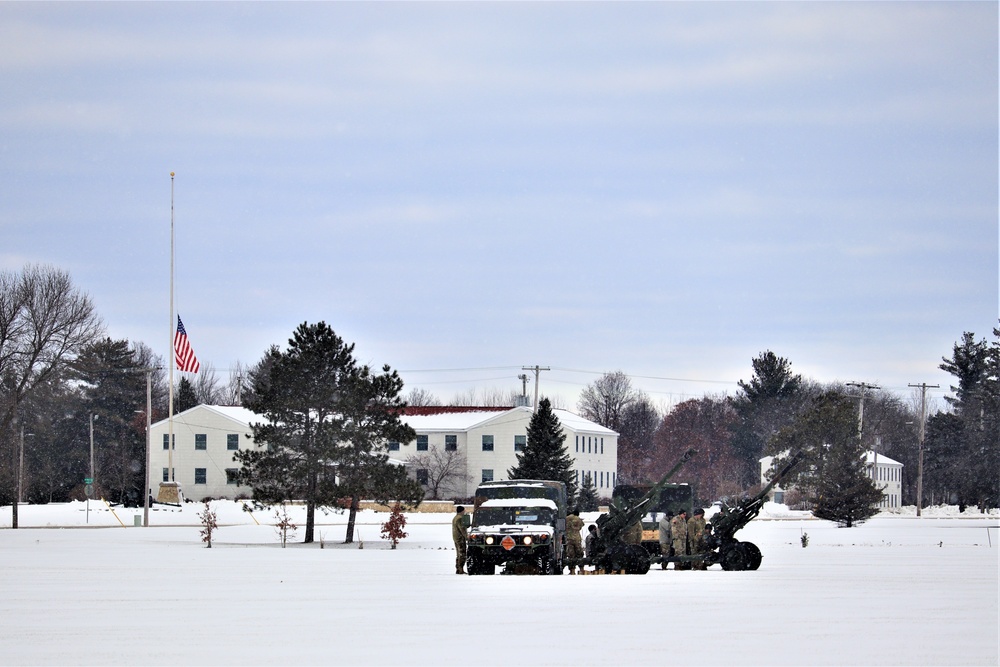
<point x="681" y="536"/>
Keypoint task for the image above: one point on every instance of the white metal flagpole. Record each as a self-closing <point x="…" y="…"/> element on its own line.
<point x="168" y="489"/>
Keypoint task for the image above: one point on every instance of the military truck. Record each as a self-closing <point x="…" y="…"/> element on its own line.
<point x="519" y="524"/>
<point x="670" y="498"/>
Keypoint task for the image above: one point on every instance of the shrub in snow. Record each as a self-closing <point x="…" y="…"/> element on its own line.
<point x="284" y="525"/>
<point x="392" y="529"/>
<point x="210" y="525"/>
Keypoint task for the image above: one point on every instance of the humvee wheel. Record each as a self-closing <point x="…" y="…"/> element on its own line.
<point x="753" y="553"/>
<point x="735" y="558"/>
<point x="475" y="566"/>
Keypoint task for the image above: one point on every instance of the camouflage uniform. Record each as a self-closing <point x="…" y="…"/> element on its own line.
<point x="574" y="544"/>
<point x="459" y="525"/>
<point x="592" y="542"/>
<point x="696" y="537"/>
<point x="633" y="534"/>
<point x="664" y="527"/>
<point x="678" y="531"/>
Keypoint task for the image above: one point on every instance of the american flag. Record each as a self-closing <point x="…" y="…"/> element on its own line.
<point x="183" y="354"/>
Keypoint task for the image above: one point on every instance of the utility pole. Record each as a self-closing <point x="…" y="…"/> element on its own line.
<point x="920" y="455"/>
<point x="861" y="420"/>
<point x="146" y="489"/>
<point x="537" y="370"/>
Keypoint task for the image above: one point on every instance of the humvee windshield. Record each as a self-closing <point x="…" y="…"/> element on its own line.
<point x="497" y="516"/>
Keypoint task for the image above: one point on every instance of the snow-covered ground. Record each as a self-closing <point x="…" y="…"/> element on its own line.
<point x="898" y="590"/>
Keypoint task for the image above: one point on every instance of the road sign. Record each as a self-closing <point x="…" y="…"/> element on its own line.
<point x="89" y="490"/>
<point x="88" y="480"/>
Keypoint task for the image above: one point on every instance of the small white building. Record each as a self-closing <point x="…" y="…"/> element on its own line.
<point x="887" y="474"/>
<point x="490" y="438"/>
<point x="207" y="436"/>
<point x="205" y="439"/>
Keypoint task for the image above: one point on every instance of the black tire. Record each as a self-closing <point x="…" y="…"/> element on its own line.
<point x="735" y="558"/>
<point x="475" y="566"/>
<point x="638" y="560"/>
<point x="753" y="553"/>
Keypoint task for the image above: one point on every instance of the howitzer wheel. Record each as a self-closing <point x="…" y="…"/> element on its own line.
<point x="736" y="557"/>
<point x="630" y="558"/>
<point x="753" y="553"/>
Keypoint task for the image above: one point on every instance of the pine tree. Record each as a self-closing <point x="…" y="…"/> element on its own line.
<point x="587" y="500"/>
<point x="545" y="455"/>
<point x="834" y="470"/>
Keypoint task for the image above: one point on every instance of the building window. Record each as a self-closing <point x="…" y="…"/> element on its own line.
<point x="577" y="445"/>
<point x="231" y="475"/>
<point x="201" y="475"/>
<point x="393" y="446"/>
<point x="422" y="476"/>
<point x="200" y="441"/>
<point x="602" y="479"/>
<point x="232" y="441"/>
<point x="519" y="442"/>
<point x="488" y="444"/>
<point x="451" y="443"/>
<point x="166" y="438"/>
<point x="421" y="443"/>
<point x="166" y="475"/>
<point x="602" y="445"/>
<point x="487" y="474"/>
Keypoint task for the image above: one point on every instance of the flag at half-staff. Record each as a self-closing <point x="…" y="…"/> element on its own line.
<point x="183" y="354"/>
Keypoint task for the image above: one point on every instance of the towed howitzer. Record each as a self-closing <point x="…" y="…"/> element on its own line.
<point x="727" y="550"/>
<point x="615" y="554"/>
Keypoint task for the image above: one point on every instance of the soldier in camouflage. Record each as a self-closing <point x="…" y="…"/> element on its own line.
<point x="678" y="532"/>
<point x="633" y="534"/>
<point x="459" y="534"/>
<point x="696" y="537"/>
<point x="574" y="541"/>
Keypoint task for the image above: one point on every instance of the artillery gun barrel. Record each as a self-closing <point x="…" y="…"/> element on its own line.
<point x="734" y="517"/>
<point x="613" y="524"/>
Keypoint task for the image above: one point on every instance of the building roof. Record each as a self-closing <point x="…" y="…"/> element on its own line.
<point x="233" y="412"/>
<point x="446" y="418"/>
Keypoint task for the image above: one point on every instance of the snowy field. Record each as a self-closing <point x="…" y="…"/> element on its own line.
<point x="84" y="590"/>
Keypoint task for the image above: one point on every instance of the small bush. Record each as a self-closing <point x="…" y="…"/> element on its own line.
<point x="392" y="529"/>
<point x="804" y="539"/>
<point x="209" y="525"/>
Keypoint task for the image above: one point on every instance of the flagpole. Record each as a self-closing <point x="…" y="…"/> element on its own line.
<point x="169" y="491"/>
<point x="170" y="400"/>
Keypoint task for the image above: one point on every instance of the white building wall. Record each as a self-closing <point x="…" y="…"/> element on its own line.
<point x="600" y="459"/>
<point x="216" y="424"/>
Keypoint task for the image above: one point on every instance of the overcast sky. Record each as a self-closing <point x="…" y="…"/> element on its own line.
<point x="666" y="189"/>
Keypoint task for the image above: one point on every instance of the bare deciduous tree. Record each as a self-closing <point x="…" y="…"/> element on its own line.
<point x="445" y="469"/>
<point x="421" y="397"/>
<point x="44" y="323"/>
<point x="605" y="400"/>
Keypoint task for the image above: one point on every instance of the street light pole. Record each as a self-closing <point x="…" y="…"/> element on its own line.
<point x="145" y="481"/>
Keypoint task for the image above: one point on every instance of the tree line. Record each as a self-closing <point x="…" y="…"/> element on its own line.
<point x="777" y="411"/>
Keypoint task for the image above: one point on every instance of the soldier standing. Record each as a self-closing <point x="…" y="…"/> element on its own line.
<point x="459" y="525"/>
<point x="696" y="537"/>
<point x="664" y="530"/>
<point x="574" y="545"/>
<point x="633" y="534"/>
<point x="593" y="541"/>
<point x="678" y="531"/>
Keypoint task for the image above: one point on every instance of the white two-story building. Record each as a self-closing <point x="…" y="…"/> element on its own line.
<point x="487" y="439"/>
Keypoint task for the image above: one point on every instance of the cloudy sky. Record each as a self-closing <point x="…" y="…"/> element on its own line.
<point x="464" y="189"/>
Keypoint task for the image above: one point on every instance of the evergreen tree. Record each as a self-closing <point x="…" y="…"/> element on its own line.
<point x="769" y="401"/>
<point x="545" y="456"/>
<point x="187" y="396"/>
<point x="587" y="501"/>
<point x="973" y="435"/>
<point x="328" y="420"/>
<point x="834" y="470"/>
